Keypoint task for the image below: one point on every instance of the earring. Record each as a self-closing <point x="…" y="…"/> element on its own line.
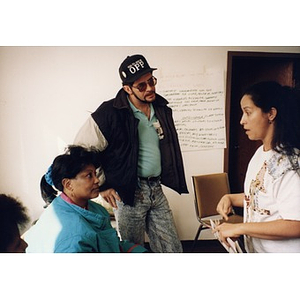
<point x="270" y="121"/>
<point x="72" y="192"/>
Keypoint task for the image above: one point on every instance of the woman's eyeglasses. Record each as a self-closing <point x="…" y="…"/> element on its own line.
<point x="143" y="85"/>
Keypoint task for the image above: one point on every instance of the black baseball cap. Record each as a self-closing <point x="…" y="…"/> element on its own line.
<point x="133" y="67"/>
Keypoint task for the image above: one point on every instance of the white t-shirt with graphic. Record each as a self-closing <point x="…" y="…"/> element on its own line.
<point x="272" y="191"/>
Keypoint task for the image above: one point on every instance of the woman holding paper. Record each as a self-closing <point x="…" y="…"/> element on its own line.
<point x="271" y="197"/>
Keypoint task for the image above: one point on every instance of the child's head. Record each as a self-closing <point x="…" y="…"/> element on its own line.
<point x="13" y="215"/>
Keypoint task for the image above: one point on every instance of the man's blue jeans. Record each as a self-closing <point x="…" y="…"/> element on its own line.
<point x="151" y="214"/>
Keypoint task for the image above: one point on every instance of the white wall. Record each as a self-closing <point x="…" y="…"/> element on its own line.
<point x="46" y="93"/>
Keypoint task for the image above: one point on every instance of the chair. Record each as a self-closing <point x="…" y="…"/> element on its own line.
<point x="208" y="190"/>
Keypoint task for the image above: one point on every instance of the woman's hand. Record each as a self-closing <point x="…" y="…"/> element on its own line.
<point x="111" y="196"/>
<point x="227" y="230"/>
<point x="224" y="207"/>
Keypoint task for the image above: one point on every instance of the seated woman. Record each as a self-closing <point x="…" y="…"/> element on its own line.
<point x="72" y="222"/>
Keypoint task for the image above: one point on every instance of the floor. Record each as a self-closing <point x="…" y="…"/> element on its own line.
<point x="201" y="246"/>
<point x="209" y="246"/>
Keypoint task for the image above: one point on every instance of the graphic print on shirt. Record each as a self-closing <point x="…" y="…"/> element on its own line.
<point x="256" y="186"/>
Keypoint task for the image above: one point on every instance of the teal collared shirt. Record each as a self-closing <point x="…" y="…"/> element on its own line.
<point x="149" y="161"/>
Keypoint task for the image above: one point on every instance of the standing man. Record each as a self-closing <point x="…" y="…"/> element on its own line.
<point x="135" y="132"/>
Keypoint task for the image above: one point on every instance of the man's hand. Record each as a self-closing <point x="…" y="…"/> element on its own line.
<point x="111" y="196"/>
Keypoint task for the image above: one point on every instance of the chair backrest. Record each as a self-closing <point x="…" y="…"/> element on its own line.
<point x="208" y="190"/>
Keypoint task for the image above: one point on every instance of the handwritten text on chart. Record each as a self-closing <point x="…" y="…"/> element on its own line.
<point x="199" y="117"/>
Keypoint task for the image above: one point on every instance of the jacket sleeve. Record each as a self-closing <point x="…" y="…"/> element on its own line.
<point x="90" y="135"/>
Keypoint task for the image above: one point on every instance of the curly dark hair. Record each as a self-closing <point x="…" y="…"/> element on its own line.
<point x="12" y="214"/>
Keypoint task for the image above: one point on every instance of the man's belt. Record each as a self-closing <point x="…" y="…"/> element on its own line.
<point x="150" y="178"/>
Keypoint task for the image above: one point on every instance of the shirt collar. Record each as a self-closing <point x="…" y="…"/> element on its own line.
<point x="136" y="110"/>
<point x="68" y="200"/>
